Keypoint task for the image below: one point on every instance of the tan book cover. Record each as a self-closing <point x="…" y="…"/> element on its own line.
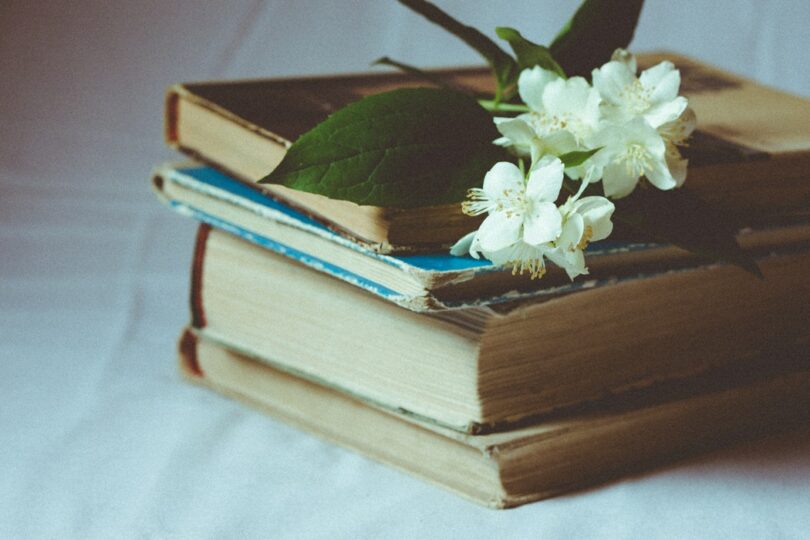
<point x="751" y="151"/>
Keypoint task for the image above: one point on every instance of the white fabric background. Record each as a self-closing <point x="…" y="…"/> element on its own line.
<point x="99" y="438"/>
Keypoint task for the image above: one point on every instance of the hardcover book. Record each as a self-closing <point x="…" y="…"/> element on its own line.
<point x="481" y="368"/>
<point x="751" y="153"/>
<point x="557" y="453"/>
<point x="420" y="282"/>
<point x="503" y="389"/>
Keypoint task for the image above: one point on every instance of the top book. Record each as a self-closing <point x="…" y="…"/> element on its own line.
<point x="750" y="154"/>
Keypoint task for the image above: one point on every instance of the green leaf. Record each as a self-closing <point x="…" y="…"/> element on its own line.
<point x="412" y="70"/>
<point x="678" y="217"/>
<point x="598" y="28"/>
<point x="406" y="148"/>
<point x="578" y="157"/>
<point x="503" y="66"/>
<point x="529" y="54"/>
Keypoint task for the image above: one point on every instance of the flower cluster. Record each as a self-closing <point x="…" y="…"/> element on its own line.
<point x="524" y="225"/>
<point x="630" y="126"/>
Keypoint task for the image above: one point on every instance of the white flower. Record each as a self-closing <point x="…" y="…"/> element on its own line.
<point x="584" y="220"/>
<point x="532" y="84"/>
<point x="630" y="151"/>
<point x="564" y="113"/>
<point x="524" y="141"/>
<point x="675" y="134"/>
<point x="518" y="209"/>
<point x="565" y="105"/>
<point x="679" y="130"/>
<point x="522" y="257"/>
<point x="653" y="95"/>
<point x="627" y="126"/>
<point x="625" y="57"/>
<point x="523" y="218"/>
<point x="645" y="122"/>
<point x="566" y="231"/>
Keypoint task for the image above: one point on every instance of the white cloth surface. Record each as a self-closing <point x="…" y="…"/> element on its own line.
<point x="100" y="438"/>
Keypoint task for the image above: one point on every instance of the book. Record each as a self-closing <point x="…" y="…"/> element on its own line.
<point x="420" y="282"/>
<point x="556" y="454"/>
<point x="481" y="368"/>
<point x="750" y="154"/>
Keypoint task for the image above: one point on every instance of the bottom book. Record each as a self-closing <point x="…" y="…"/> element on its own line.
<point x="561" y="452"/>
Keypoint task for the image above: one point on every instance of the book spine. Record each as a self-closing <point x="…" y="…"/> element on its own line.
<point x="195" y="296"/>
<point x="170" y="117"/>
<point x="187" y="353"/>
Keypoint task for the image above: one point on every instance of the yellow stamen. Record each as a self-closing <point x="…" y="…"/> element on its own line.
<point x="477" y="204"/>
<point x="535" y="267"/>
<point x="636" y="160"/>
<point x="587" y="234"/>
<point x="636" y="96"/>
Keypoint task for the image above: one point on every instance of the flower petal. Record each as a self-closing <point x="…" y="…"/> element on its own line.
<point x="543" y="224"/>
<point x="611" y="79"/>
<point x="559" y="143"/>
<point x="677" y="166"/>
<point x="687" y="122"/>
<point x="523" y="257"/>
<point x="596" y="213"/>
<point x="464" y="245"/>
<point x="545" y="180"/>
<point x="617" y="181"/>
<point x="641" y="133"/>
<point x="499" y="230"/>
<point x="503" y="181"/>
<point x="666" y="112"/>
<point x="568" y="96"/>
<point x="505" y="255"/>
<point x="571" y="232"/>
<point x="678" y="131"/>
<point x="573" y="262"/>
<point x="663" y="80"/>
<point x="625" y="57"/>
<point x="660" y="177"/>
<point x="531" y="84"/>
<point x="515" y="129"/>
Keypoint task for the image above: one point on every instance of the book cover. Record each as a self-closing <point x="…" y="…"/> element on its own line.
<point x="751" y="152"/>
<point x="484" y="368"/>
<point x="557" y="454"/>
<point x="421" y="282"/>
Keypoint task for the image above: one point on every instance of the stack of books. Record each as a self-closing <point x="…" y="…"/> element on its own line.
<point x="355" y="323"/>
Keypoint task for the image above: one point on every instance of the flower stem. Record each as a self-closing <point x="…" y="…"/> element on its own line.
<point x="493" y="106"/>
<point x="568" y="185"/>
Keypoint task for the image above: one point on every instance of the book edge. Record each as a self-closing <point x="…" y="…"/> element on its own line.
<point x="498" y="454"/>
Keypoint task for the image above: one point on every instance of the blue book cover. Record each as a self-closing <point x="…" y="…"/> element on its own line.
<point x="411" y="280"/>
